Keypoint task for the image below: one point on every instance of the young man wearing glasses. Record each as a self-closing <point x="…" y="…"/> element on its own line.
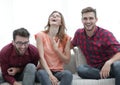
<point x="19" y="59"/>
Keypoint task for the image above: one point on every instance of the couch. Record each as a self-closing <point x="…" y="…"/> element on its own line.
<point x="77" y="58"/>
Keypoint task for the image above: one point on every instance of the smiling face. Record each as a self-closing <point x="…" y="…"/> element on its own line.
<point x="21" y="44"/>
<point x="89" y="21"/>
<point x="55" y="19"/>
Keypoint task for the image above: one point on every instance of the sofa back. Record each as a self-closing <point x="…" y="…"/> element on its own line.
<point x="71" y="66"/>
<point x="77" y="58"/>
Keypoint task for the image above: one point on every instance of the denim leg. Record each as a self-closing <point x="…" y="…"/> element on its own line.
<point x="65" y="77"/>
<point x="87" y="72"/>
<point x="29" y="74"/>
<point x="1" y="78"/>
<point x="43" y="78"/>
<point x="116" y="72"/>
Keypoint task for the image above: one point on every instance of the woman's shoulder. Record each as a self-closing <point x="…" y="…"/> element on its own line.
<point x="40" y="34"/>
<point x="67" y="36"/>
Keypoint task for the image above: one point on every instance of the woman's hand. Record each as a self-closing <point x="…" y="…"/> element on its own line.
<point x="55" y="43"/>
<point x="53" y="79"/>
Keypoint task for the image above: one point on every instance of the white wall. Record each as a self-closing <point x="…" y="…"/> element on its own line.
<point x="33" y="15"/>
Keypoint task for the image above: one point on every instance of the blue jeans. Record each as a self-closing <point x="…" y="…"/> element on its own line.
<point x="1" y="78"/>
<point x="65" y="77"/>
<point x="88" y="72"/>
<point x="29" y="74"/>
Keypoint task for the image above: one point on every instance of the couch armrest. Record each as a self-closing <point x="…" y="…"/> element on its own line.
<point x="79" y="57"/>
<point x="71" y="66"/>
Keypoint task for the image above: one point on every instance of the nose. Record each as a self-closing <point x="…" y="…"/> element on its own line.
<point x="23" y="46"/>
<point x="88" y="20"/>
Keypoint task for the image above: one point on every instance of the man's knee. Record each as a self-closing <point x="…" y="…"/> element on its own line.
<point x="86" y="71"/>
<point x="81" y="69"/>
<point x="116" y="66"/>
<point x="30" y="67"/>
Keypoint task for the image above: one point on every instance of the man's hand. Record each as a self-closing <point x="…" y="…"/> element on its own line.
<point x="12" y="71"/>
<point x="105" y="71"/>
<point x="16" y="83"/>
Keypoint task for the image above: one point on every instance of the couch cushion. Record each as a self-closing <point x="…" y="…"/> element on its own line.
<point x="79" y="81"/>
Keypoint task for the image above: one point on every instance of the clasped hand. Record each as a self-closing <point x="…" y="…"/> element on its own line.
<point x="12" y="71"/>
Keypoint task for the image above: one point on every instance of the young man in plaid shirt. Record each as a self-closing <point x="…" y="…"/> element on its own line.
<point x="100" y="47"/>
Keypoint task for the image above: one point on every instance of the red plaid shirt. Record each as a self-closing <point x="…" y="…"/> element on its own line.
<point x="9" y="58"/>
<point x="98" y="48"/>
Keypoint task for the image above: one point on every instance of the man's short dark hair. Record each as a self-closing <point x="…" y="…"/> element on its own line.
<point x="89" y="9"/>
<point x="21" y="32"/>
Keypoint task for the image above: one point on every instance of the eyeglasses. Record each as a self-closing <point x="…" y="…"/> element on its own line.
<point x="19" y="43"/>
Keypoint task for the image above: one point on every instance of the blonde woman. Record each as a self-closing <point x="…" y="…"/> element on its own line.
<point x="54" y="49"/>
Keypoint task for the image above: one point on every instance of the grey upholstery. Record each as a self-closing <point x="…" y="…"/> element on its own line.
<point x="77" y="58"/>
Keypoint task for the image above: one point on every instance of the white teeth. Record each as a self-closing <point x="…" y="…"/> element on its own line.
<point x="88" y="24"/>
